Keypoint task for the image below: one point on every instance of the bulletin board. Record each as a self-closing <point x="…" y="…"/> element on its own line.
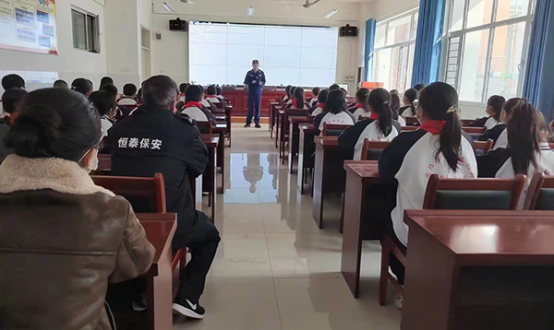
<point x="28" y="25"/>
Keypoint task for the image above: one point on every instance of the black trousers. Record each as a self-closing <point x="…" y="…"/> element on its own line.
<point x="202" y="239"/>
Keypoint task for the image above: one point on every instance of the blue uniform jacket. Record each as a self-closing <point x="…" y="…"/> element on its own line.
<point x="255" y="81"/>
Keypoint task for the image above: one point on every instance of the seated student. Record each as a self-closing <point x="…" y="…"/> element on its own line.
<point x="76" y="237"/>
<point x="83" y="86"/>
<point x="292" y="91"/>
<point x="321" y="99"/>
<point x="313" y="100"/>
<point x="408" y="110"/>
<point x="129" y="94"/>
<point x="219" y="92"/>
<point x="10" y="100"/>
<point x="104" y="103"/>
<point x="298" y="99"/>
<point x="106" y="81"/>
<point x="494" y="109"/>
<point x="111" y="90"/>
<point x="498" y="133"/>
<point x="60" y="84"/>
<point x="13" y="81"/>
<point x="193" y="108"/>
<point x="212" y="95"/>
<point x="335" y="111"/>
<point x="287" y="97"/>
<point x="170" y="144"/>
<point x="438" y="147"/>
<point x="334" y="87"/>
<point x="378" y="127"/>
<point x="362" y="107"/>
<point x="182" y="88"/>
<point x="395" y="107"/>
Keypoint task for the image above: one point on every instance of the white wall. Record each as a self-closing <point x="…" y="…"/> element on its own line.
<point x="170" y="55"/>
<point x="70" y="63"/>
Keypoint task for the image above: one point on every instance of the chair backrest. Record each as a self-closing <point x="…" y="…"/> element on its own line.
<point x="540" y="194"/>
<point x="205" y="127"/>
<point x="104" y="162"/>
<point x="466" y="122"/>
<point x="473" y="194"/>
<point x="474" y="130"/>
<point x="409" y="128"/>
<point x="483" y="146"/>
<point x="310" y="119"/>
<point x="334" y="129"/>
<point x="146" y="195"/>
<point x="372" y="150"/>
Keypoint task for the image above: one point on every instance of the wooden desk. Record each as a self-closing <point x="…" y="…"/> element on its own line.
<point x="220" y="129"/>
<point x="211" y="141"/>
<point x="306" y="149"/>
<point x="479" y="270"/>
<point x="294" y="135"/>
<point x="272" y="116"/>
<point x="284" y="118"/>
<point x="329" y="176"/>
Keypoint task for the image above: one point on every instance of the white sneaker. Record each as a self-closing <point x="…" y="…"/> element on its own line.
<point x="399" y="301"/>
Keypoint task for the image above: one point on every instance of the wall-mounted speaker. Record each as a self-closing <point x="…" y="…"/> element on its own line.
<point x="177" y="25"/>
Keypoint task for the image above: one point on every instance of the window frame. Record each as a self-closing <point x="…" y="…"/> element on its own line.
<point x="410" y="43"/>
<point x="92" y="30"/>
<point x="491" y="28"/>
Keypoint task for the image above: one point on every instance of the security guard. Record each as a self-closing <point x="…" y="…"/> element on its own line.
<point x="155" y="140"/>
<point x="255" y="80"/>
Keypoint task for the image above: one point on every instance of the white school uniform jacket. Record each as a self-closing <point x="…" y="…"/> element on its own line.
<point x="410" y="159"/>
<point x="352" y="140"/>
<point x="491" y="122"/>
<point x="317" y="111"/>
<point x="361" y="112"/>
<point x="401" y="121"/>
<point x="127" y="101"/>
<point x="342" y="118"/>
<point x="195" y="113"/>
<point x="213" y="99"/>
<point x="502" y="141"/>
<point x="206" y="103"/>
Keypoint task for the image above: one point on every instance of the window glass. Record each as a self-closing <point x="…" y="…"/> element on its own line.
<point x="410" y="69"/>
<point x="511" y="9"/>
<point x="380" y="36"/>
<point x="506" y="60"/>
<point x="79" y="30"/>
<point x="472" y="73"/>
<point x="479" y="12"/>
<point x="414" y="28"/>
<point x="383" y="66"/>
<point x="399" y="30"/>
<point x="457" y="19"/>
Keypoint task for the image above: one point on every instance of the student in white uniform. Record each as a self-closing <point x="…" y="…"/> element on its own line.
<point x="362" y="108"/>
<point x="498" y="133"/>
<point x="313" y="100"/>
<point x="212" y="95"/>
<point x="335" y="111"/>
<point x="379" y="126"/>
<point x="219" y="92"/>
<point x="494" y="109"/>
<point x="129" y="95"/>
<point x="298" y="99"/>
<point x="193" y="108"/>
<point x="182" y="89"/>
<point x="289" y="102"/>
<point x="395" y="107"/>
<point x="438" y="147"/>
<point x="321" y="99"/>
<point x="104" y="104"/>
<point x="83" y="86"/>
<point x="287" y="96"/>
<point x="409" y="110"/>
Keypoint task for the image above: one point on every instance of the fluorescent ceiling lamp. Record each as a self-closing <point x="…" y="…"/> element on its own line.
<point x="250" y="11"/>
<point x="168" y="7"/>
<point x="331" y="13"/>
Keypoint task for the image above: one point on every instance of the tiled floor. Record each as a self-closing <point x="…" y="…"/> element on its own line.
<point x="274" y="268"/>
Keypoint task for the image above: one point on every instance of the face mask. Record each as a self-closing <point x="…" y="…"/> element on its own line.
<point x="94" y="164"/>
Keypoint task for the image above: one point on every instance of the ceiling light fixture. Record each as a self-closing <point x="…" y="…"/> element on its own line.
<point x="168" y="7"/>
<point x="331" y="13"/>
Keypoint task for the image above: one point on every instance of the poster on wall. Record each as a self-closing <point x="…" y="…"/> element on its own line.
<point x="28" y="25"/>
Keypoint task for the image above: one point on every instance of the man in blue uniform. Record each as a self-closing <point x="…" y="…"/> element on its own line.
<point x="255" y="80"/>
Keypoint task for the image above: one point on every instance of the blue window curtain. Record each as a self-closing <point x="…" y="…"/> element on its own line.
<point x="427" y="55"/>
<point x="539" y="80"/>
<point x="370" y="26"/>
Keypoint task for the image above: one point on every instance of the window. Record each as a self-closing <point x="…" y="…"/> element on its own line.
<point x="393" y="55"/>
<point x="487" y="46"/>
<point x="85" y="30"/>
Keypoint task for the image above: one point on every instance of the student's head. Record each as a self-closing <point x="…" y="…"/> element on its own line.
<point x="344" y="91"/>
<point x="255" y="64"/>
<point x="361" y="95"/>
<point x="110" y="89"/>
<point x="419" y="87"/>
<point x="82" y="85"/>
<point x="334" y="87"/>
<point x="335" y="102"/>
<point x="211" y="90"/>
<point x="11" y="99"/>
<point x="292" y="91"/>
<point x="194" y="93"/>
<point x="494" y="106"/>
<point x="13" y="81"/>
<point x="524" y="136"/>
<point x="129" y="90"/>
<point x="218" y="90"/>
<point x="287" y="90"/>
<point x="322" y="97"/>
<point x="183" y="87"/>
<point x="543" y="127"/>
<point x="378" y="101"/>
<point x="105" y="81"/>
<point x="410" y="96"/>
<point x="60" y="84"/>
<point x="103" y="102"/>
<point x="393" y="92"/>
<point x="394" y="105"/>
<point x="508" y="109"/>
<point x="315" y="91"/>
<point x="56" y="123"/>
<point x="159" y="91"/>
<point x="439" y="101"/>
<point x="299" y="97"/>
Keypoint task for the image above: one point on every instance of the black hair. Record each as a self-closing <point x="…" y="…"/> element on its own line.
<point x="362" y="94"/>
<point x="194" y="93"/>
<point x="105" y="81"/>
<point x="212" y="90"/>
<point x="287" y="90"/>
<point x="11" y="98"/>
<point x="315" y="91"/>
<point x="183" y="87"/>
<point x="440" y="102"/>
<point x="322" y="97"/>
<point x="411" y="94"/>
<point x="334" y="87"/>
<point x="255" y="62"/>
<point x="379" y="100"/>
<point x="103" y="102"/>
<point x="419" y="87"/>
<point x="218" y="90"/>
<point x="54" y="122"/>
<point x="394" y="105"/>
<point x="523" y="137"/>
<point x="335" y="102"/>
<point x="496" y="102"/>
<point x="299" y="97"/>
<point x="12" y="81"/>
<point x="292" y="91"/>
<point x="82" y="85"/>
<point x="60" y="84"/>
<point x="129" y="89"/>
<point x="110" y="89"/>
<point x="159" y="91"/>
<point x="139" y="95"/>
<point x="510" y="105"/>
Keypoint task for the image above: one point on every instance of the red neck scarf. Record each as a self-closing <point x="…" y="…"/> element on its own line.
<point x="321" y="105"/>
<point x="433" y="126"/>
<point x="294" y="103"/>
<point x="374" y="116"/>
<point x="191" y="104"/>
<point x="359" y="106"/>
<point x="212" y="95"/>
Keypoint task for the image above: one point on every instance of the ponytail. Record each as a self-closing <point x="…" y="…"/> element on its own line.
<point x="379" y="99"/>
<point x="523" y="137"/>
<point x="451" y="139"/>
<point x="385" y="119"/>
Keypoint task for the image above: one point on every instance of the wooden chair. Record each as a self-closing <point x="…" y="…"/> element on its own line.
<point x="453" y="194"/>
<point x="466" y="122"/>
<point x="205" y="127"/>
<point x="411" y="121"/>
<point x="540" y="194"/>
<point x="371" y="150"/>
<point x="409" y="128"/>
<point x="104" y="164"/>
<point x="334" y="129"/>
<point x="284" y="134"/>
<point x="483" y="146"/>
<point x="474" y="130"/>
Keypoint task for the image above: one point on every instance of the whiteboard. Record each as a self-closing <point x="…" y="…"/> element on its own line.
<point x="28" y="25"/>
<point x="222" y="53"/>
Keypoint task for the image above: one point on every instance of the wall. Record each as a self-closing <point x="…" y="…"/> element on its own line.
<point x="70" y="63"/>
<point x="171" y="53"/>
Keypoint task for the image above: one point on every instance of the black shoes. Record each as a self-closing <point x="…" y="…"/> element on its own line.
<point x="258" y="126"/>
<point x="188" y="309"/>
<point x="247" y="125"/>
